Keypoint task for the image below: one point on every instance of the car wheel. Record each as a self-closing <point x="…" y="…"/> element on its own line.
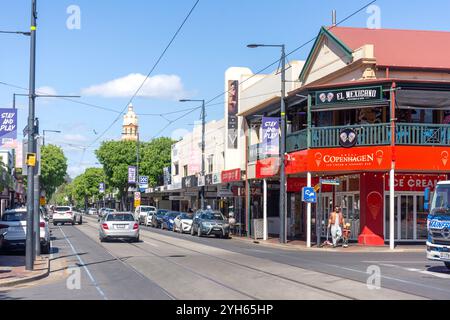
<point x="447" y="264"/>
<point x="218" y="235"/>
<point x="192" y="231"/>
<point x="73" y="222"/>
<point x="136" y="239"/>
<point x="199" y="232"/>
<point x="227" y="236"/>
<point x="102" y="239"/>
<point x="81" y="221"/>
<point x="55" y="224"/>
<point x="173" y="228"/>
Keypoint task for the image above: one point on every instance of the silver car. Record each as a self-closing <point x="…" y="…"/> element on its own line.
<point x="119" y="225"/>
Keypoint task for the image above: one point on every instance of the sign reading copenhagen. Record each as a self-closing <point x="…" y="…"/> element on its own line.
<point x="357" y="159"/>
<point x="349" y="95"/>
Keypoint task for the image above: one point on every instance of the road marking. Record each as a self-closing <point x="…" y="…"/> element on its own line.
<point x="430" y="273"/>
<point x="84" y="266"/>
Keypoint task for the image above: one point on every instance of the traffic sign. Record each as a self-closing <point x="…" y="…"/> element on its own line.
<point x="309" y="195"/>
<point x="42" y="201"/>
<point x="143" y="182"/>
<point x="31" y="159"/>
<point x="332" y="182"/>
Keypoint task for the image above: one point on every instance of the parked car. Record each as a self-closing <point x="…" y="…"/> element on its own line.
<point x="119" y="225"/>
<point x="141" y="213"/>
<point x="92" y="211"/>
<point x="15" y="238"/>
<point x="148" y="218"/>
<point x="209" y="222"/>
<point x="157" y="218"/>
<point x="183" y="223"/>
<point x="65" y="215"/>
<point x="168" y="220"/>
<point x="3" y="232"/>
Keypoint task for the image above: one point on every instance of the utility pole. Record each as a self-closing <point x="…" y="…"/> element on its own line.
<point x="283" y="211"/>
<point x="29" y="255"/>
<point x="202" y="192"/>
<point x="202" y="195"/>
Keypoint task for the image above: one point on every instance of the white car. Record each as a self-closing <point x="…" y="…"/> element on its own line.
<point x="141" y="213"/>
<point x="92" y="211"/>
<point x="65" y="215"/>
<point x="183" y="223"/>
<point x="119" y="225"/>
<point x="16" y="220"/>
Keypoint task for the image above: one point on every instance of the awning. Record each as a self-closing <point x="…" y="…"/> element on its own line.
<point x="423" y="99"/>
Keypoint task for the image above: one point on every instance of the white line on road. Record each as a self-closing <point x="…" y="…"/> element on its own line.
<point x="84" y="267"/>
<point x="430" y="273"/>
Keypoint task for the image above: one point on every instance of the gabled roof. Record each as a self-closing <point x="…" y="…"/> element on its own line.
<point x="416" y="49"/>
<point x="412" y="49"/>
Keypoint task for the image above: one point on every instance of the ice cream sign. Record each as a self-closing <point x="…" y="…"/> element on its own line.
<point x="415" y="182"/>
<point x="8" y="126"/>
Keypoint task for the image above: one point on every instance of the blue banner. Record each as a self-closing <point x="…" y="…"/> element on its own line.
<point x="271" y="135"/>
<point x="8" y="126"/>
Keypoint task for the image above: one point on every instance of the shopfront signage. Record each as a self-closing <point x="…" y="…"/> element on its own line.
<point x="348" y="138"/>
<point x="201" y="181"/>
<point x="416" y="183"/>
<point x="224" y="192"/>
<point x="351" y="95"/>
<point x="267" y="168"/>
<point x="309" y="195"/>
<point x="189" y="182"/>
<point x="231" y="176"/>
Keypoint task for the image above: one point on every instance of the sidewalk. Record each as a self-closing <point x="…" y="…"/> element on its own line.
<point x="299" y="245"/>
<point x="12" y="270"/>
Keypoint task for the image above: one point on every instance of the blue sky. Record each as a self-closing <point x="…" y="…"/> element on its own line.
<point x="121" y="38"/>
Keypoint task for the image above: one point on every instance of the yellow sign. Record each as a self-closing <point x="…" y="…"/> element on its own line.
<point x="137" y="203"/>
<point x="31" y="159"/>
<point x="42" y="201"/>
<point x="317" y="188"/>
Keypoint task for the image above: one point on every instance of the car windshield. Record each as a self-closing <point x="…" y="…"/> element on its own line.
<point x="120" y="217"/>
<point x="15" y="216"/>
<point x="147" y="209"/>
<point x="62" y="209"/>
<point x="161" y="213"/>
<point x="173" y="214"/>
<point x="210" y="215"/>
<point x="186" y="216"/>
<point x="441" y="204"/>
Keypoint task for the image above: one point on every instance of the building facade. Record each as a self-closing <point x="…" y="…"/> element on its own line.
<point x="130" y="127"/>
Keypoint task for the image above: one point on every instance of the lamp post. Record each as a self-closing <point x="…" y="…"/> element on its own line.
<point x="283" y="212"/>
<point x="202" y="195"/>
<point x="43" y="134"/>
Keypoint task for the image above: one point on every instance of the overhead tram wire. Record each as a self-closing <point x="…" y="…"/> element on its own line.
<point x="151" y="71"/>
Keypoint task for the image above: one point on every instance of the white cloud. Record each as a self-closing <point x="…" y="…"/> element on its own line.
<point x="160" y="86"/>
<point x="46" y="90"/>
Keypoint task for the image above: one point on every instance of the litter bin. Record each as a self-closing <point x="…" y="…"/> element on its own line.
<point x="258" y="229"/>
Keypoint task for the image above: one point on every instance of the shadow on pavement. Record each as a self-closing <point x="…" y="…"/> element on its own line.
<point x="439" y="269"/>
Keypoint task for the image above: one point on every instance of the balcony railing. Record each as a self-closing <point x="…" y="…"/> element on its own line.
<point x="368" y="135"/>
<point x="423" y="134"/>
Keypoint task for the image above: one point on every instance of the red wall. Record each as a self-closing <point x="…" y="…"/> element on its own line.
<point x="371" y="205"/>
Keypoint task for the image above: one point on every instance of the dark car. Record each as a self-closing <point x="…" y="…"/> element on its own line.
<point x="168" y="220"/>
<point x="209" y="222"/>
<point x="157" y="218"/>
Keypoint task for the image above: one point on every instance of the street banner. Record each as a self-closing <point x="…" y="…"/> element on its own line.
<point x="167" y="176"/>
<point x="101" y="188"/>
<point x="271" y="135"/>
<point x="132" y="175"/>
<point x="232" y="111"/>
<point x="143" y="182"/>
<point x="8" y="127"/>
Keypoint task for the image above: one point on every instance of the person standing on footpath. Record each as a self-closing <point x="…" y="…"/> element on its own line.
<point x="335" y="222"/>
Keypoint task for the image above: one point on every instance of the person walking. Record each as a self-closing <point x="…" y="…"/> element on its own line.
<point x="335" y="222"/>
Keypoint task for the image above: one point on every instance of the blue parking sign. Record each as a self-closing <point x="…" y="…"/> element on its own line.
<point x="309" y="195"/>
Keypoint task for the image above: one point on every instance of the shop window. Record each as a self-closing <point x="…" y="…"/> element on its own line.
<point x="185" y="171"/>
<point x="176" y="169"/>
<point x="211" y="163"/>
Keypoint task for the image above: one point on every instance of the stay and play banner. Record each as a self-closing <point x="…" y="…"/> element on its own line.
<point x="271" y="135"/>
<point x="8" y="127"/>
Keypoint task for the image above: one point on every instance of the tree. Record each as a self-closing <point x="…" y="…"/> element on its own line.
<point x="156" y="155"/>
<point x="63" y="195"/>
<point x="86" y="186"/>
<point x="53" y="169"/>
<point x="116" y="157"/>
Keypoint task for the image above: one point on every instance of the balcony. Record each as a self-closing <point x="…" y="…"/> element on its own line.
<point x="369" y="135"/>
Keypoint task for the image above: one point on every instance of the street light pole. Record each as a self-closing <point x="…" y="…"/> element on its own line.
<point x="29" y="254"/>
<point x="202" y="192"/>
<point x="282" y="205"/>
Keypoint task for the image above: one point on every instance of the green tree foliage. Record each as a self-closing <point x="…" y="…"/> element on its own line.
<point x="63" y="195"/>
<point x="155" y="157"/>
<point x="53" y="169"/>
<point x="86" y="186"/>
<point x="117" y="156"/>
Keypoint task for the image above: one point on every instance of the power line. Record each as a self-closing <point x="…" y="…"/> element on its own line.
<point x="151" y="71"/>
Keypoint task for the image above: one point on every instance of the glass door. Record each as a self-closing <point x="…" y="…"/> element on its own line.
<point x="407" y="217"/>
<point x="349" y="204"/>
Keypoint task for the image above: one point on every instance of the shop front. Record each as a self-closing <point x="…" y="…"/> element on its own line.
<point x="231" y="193"/>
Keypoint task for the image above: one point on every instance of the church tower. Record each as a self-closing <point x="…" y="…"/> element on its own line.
<point x="130" y="125"/>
